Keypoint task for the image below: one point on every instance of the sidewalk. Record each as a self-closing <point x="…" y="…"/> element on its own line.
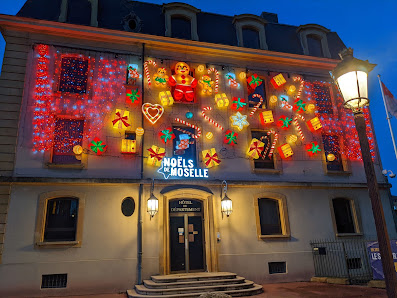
<point x="292" y="290"/>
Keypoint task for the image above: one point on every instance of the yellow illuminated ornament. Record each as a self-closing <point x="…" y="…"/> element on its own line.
<point x="200" y="68"/>
<point x="128" y="146"/>
<point x="139" y="131"/>
<point x="310" y="108"/>
<point x="273" y="99"/>
<point x="292" y="139"/>
<point x="285" y="151"/>
<point x="242" y="75"/>
<point x="266" y="117"/>
<point x="291" y="89"/>
<point x="121" y="119"/>
<point x="331" y="157"/>
<point x="77" y="150"/>
<point x="166" y="98"/>
<point x="221" y="100"/>
<point x="209" y="135"/>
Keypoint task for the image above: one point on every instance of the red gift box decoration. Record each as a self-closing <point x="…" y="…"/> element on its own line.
<point x="166" y="135"/>
<point x="230" y="138"/>
<point x="238" y="103"/>
<point x="254" y="81"/>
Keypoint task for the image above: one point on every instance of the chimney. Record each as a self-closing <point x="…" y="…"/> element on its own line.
<point x="269" y="17"/>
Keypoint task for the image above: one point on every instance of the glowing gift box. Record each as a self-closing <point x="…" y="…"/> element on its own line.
<point x="314" y="124"/>
<point x="132" y="96"/>
<point x="254" y="81"/>
<point x="278" y="80"/>
<point x="255" y="149"/>
<point x="128" y="146"/>
<point x="238" y="103"/>
<point x="285" y="151"/>
<point x="221" y="100"/>
<point x="166" y="135"/>
<point x="230" y="137"/>
<point x="313" y="148"/>
<point x="210" y="158"/>
<point x="121" y="119"/>
<point x="156" y="154"/>
<point x="166" y="98"/>
<point x="266" y="117"/>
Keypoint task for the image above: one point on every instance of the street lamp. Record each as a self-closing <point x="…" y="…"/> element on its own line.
<point x="152" y="202"/>
<point x="226" y="202"/>
<point x="351" y="77"/>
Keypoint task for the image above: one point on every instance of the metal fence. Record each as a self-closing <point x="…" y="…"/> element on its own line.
<point x="342" y="258"/>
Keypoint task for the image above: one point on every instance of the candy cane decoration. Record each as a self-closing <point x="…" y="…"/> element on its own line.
<point x="194" y="136"/>
<point x="146" y="67"/>
<point x="258" y="104"/>
<point x="298" y="96"/>
<point x="274" y="142"/>
<point x="298" y="126"/>
<point x="216" y="124"/>
<point x="267" y="146"/>
<point x="212" y="69"/>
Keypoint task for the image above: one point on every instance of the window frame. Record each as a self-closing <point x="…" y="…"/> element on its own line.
<point x="170" y="145"/>
<point x="181" y="10"/>
<point x="317" y="30"/>
<point x="283" y="210"/>
<point x="345" y="162"/>
<point x="42" y="217"/>
<point x="354" y="214"/>
<point x="253" y="22"/>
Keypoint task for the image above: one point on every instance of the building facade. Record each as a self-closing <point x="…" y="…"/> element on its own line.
<point x="106" y="106"/>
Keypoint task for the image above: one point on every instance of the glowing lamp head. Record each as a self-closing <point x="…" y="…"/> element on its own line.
<point x="152" y="205"/>
<point x="139" y="131"/>
<point x="242" y="75"/>
<point x="209" y="135"/>
<point x="226" y="205"/>
<point x="331" y="157"/>
<point x="77" y="150"/>
<point x="351" y="76"/>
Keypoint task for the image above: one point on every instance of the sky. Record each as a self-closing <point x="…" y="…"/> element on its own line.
<point x="368" y="26"/>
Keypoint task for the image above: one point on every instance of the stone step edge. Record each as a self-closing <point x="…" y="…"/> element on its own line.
<point x="142" y="288"/>
<point x="192" y="277"/>
<point x="256" y="289"/>
<point x="153" y="285"/>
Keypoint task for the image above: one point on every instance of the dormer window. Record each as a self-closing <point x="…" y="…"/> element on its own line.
<point x="181" y="20"/>
<point x="314" y="40"/>
<point x="80" y="12"/>
<point x="250" y="30"/>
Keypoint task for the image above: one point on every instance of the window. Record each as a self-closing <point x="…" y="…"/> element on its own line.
<point x="251" y="38"/>
<point x="74" y="75"/>
<point x="250" y="31"/>
<point x="343" y="215"/>
<point x="332" y="153"/>
<point x="181" y="27"/>
<point x="183" y="144"/>
<point x="61" y="219"/>
<point x="263" y="162"/>
<point x="314" y="40"/>
<point x="277" y="267"/>
<point x="322" y="95"/>
<point x="314" y="45"/>
<point x="67" y="134"/>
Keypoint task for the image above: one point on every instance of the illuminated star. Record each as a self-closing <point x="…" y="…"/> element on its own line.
<point x="163" y="171"/>
<point x="239" y="121"/>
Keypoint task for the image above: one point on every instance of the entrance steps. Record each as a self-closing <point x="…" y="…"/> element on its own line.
<point x="193" y="285"/>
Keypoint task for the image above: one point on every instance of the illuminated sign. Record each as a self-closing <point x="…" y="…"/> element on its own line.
<point x="178" y="167"/>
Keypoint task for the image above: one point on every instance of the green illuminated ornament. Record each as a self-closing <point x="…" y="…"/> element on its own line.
<point x="98" y="146"/>
<point x="300" y="106"/>
<point x="238" y="103"/>
<point x="133" y="95"/>
<point x="167" y="135"/>
<point x="230" y="138"/>
<point x="313" y="148"/>
<point x="285" y="122"/>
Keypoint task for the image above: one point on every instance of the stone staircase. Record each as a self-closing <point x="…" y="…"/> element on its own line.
<point x="193" y="285"/>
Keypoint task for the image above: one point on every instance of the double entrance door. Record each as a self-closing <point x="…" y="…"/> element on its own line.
<point x="186" y="235"/>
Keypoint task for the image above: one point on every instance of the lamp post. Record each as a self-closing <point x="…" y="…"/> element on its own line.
<point x="152" y="202"/>
<point x="351" y="77"/>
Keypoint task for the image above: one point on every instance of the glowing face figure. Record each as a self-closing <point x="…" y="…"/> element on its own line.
<point x="182" y="68"/>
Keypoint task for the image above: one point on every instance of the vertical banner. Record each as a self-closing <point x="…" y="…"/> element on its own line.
<point x="375" y="258"/>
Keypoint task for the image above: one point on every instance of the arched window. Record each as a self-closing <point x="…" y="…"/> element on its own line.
<point x="181" y="20"/>
<point x="250" y="30"/>
<point x="79" y="12"/>
<point x="314" y="45"/>
<point x="181" y="27"/>
<point x="344" y="215"/>
<point x="314" y="40"/>
<point x="251" y="38"/>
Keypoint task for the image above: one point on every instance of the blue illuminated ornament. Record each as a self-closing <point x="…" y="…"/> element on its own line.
<point x="189" y="115"/>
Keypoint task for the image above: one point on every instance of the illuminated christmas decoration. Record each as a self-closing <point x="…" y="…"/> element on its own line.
<point x="139" y="131"/>
<point x="210" y="158"/>
<point x="183" y="82"/>
<point x="209" y="135"/>
<point x="231" y="78"/>
<point x="183" y="143"/>
<point x="276" y="135"/>
<point x="314" y="124"/>
<point x="189" y="115"/>
<point x="200" y="68"/>
<point x="152" y="112"/>
<point x="198" y="130"/>
<point x="310" y="108"/>
<point x="133" y="96"/>
<point x="291" y="89"/>
<point x="313" y="148"/>
<point x="242" y="75"/>
<point x="132" y="74"/>
<point x="221" y="100"/>
<point x="278" y="81"/>
<point x="121" y="119"/>
<point x="146" y="68"/>
<point x="230" y="137"/>
<point x="239" y="121"/>
<point x="273" y="99"/>
<point x="128" y="146"/>
<point x="330" y="157"/>
<point x="216" y="78"/>
<point x="255" y="148"/>
<point x="299" y="106"/>
<point x="254" y="81"/>
<point x="166" y="135"/>
<point x="302" y="84"/>
<point x="266" y="117"/>
<point x="98" y="146"/>
<point x="156" y="154"/>
<point x="299" y="127"/>
<point x="166" y="98"/>
<point x="206" y="83"/>
<point x="78" y="150"/>
<point x="284" y="102"/>
<point x="238" y="104"/>
<point x="257" y="105"/>
<point x="291" y="139"/>
<point x="285" y="151"/>
<point x="284" y="122"/>
<point x="216" y="124"/>
<point x="160" y="78"/>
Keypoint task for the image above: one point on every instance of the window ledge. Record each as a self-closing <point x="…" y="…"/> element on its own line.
<point x="267" y="171"/>
<point x="349" y="234"/>
<point x="265" y="237"/>
<point x="64" y="166"/>
<point x="59" y="244"/>
<point x="339" y="173"/>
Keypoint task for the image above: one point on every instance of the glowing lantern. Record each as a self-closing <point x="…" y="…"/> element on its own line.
<point x="152" y="202"/>
<point x="242" y="75"/>
<point x="200" y="68"/>
<point x="292" y="139"/>
<point x="331" y="157"/>
<point x="209" y="135"/>
<point x="139" y="131"/>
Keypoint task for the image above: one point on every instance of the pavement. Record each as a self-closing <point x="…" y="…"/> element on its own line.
<point x="291" y="290"/>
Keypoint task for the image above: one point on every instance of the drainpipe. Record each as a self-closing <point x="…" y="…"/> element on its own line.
<point x="140" y="221"/>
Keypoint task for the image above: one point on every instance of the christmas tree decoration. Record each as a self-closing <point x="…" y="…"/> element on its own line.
<point x="313" y="148"/>
<point x="231" y="78"/>
<point x="133" y="96"/>
<point x="189" y="115"/>
<point x="200" y="68"/>
<point x="291" y="139"/>
<point x="299" y="127"/>
<point x="210" y="158"/>
<point x="314" y="124"/>
<point x="160" y="78"/>
<point x="239" y="121"/>
<point x="257" y="105"/>
<point x="299" y="106"/>
<point x="221" y="100"/>
<point x="121" y="119"/>
<point x="166" y="98"/>
<point x="132" y="74"/>
<point x="278" y="80"/>
<point x="291" y="89"/>
<point x="183" y="143"/>
<point x="206" y="84"/>
<point x="98" y="146"/>
<point x="152" y="112"/>
<point x="254" y="81"/>
<point x="198" y="129"/>
<point x="284" y="122"/>
<point x="230" y="138"/>
<point x="210" y="70"/>
<point x="128" y="146"/>
<point x="216" y="124"/>
<point x="146" y="68"/>
<point x="78" y="150"/>
<point x="285" y="151"/>
<point x="183" y="82"/>
<point x="276" y="135"/>
<point x="156" y="154"/>
<point x="139" y="131"/>
<point x="238" y="104"/>
<point x="331" y="157"/>
<point x="166" y="135"/>
<point x="255" y="148"/>
<point x="266" y="117"/>
<point x="209" y="135"/>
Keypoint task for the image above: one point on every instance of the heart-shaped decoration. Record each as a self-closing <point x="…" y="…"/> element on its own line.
<point x="152" y="112"/>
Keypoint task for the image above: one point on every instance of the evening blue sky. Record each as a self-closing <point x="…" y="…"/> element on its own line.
<point x="368" y="26"/>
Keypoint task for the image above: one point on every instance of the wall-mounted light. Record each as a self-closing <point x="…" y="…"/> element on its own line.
<point x="226" y="202"/>
<point x="152" y="202"/>
<point x="391" y="175"/>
